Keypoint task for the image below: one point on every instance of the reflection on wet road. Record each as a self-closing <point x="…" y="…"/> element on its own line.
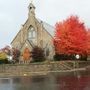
<point x="52" y="81"/>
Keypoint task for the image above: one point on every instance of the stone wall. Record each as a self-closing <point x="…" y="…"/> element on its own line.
<point x="39" y="68"/>
<point x="21" y="70"/>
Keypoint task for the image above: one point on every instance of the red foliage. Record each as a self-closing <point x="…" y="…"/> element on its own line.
<point x="70" y="37"/>
<point x="16" y="54"/>
<point x="88" y="35"/>
<point x="6" y="50"/>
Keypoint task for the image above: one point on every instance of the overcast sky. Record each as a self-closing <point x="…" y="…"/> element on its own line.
<point x="13" y="14"/>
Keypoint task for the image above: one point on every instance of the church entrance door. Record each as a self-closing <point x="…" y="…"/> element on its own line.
<point x="26" y="55"/>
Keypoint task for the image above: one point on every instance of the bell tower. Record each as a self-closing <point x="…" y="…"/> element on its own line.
<point x="31" y="9"/>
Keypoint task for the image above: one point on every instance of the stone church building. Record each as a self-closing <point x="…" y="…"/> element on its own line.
<point x="35" y="32"/>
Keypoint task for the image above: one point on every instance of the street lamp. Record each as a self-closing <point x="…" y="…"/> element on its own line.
<point x="77" y="56"/>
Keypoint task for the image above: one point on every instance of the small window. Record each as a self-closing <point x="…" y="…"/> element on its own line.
<point x="30" y="7"/>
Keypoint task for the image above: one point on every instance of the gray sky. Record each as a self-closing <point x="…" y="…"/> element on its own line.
<point x="14" y="13"/>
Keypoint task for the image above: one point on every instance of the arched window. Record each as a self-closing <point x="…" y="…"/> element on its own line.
<point x="31" y="33"/>
<point x="47" y="52"/>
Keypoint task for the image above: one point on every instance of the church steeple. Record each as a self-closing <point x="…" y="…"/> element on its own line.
<point x="31" y="8"/>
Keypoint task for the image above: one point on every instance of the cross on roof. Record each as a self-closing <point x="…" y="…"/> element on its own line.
<point x="31" y="1"/>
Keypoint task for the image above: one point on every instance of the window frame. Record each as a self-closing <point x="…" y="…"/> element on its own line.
<point x="31" y="33"/>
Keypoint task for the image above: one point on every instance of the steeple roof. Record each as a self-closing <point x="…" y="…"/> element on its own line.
<point x="31" y="6"/>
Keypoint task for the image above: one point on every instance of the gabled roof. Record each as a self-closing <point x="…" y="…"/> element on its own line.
<point x="28" y="42"/>
<point x="50" y="29"/>
<point x="19" y="31"/>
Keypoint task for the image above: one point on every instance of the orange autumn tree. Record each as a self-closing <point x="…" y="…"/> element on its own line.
<point x="26" y="54"/>
<point x="70" y="37"/>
